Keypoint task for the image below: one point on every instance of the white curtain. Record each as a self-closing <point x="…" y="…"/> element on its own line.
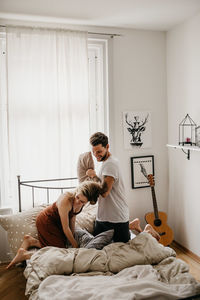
<point x="46" y="107"/>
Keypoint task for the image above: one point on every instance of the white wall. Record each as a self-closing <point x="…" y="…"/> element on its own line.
<point x="139" y="83"/>
<point x="183" y="69"/>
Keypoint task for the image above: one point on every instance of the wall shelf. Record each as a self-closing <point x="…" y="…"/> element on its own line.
<point x="185" y="149"/>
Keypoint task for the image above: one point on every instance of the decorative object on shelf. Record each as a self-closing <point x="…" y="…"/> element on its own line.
<point x="197" y="136"/>
<point x="187" y="132"/>
<point x="137" y="129"/>
<point x="138" y="163"/>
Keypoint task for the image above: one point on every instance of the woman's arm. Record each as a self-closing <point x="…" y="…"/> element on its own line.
<point x="72" y="222"/>
<point x="64" y="206"/>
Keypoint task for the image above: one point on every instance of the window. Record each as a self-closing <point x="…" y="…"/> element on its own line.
<point x="98" y="121"/>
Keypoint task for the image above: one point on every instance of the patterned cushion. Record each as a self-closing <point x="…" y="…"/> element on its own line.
<point x="87" y="240"/>
<point x="20" y="224"/>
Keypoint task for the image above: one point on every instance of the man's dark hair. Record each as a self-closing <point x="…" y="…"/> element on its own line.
<point x="99" y="138"/>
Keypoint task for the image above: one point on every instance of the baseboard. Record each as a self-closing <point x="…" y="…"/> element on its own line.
<point x="186" y="251"/>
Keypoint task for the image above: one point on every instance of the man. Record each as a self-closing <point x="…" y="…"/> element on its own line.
<point x="113" y="212"/>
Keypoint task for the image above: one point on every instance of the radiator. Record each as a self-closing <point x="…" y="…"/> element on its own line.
<point x="4" y="247"/>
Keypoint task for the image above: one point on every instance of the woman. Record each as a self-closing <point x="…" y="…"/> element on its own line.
<point x="56" y="223"/>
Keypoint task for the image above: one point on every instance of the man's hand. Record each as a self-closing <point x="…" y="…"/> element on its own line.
<point x="91" y="173"/>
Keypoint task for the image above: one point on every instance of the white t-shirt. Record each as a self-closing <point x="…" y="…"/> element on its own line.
<point x="113" y="208"/>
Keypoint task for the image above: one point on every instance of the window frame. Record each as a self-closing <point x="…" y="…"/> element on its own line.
<point x="98" y="95"/>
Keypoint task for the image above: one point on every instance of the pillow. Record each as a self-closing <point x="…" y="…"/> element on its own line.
<point x="83" y="237"/>
<point x="86" y="219"/>
<point x="87" y="240"/>
<point x="85" y="162"/>
<point x="20" y="224"/>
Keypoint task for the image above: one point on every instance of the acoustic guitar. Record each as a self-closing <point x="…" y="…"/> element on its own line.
<point x="158" y="219"/>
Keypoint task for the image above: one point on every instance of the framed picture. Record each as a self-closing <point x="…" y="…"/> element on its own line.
<point x="141" y="166"/>
<point x="137" y="129"/>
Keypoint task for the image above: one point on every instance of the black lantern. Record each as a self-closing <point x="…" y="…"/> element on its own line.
<point x="187" y="132"/>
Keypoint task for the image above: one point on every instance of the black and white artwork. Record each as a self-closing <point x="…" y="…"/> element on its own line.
<point x="141" y="167"/>
<point x="137" y="129"/>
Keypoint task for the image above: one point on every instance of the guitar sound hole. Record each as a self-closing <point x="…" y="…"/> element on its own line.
<point x="157" y="222"/>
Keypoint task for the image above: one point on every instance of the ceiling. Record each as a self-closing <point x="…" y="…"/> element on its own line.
<point x="139" y="14"/>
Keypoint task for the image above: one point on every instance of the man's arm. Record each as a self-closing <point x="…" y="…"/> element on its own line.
<point x="108" y="181"/>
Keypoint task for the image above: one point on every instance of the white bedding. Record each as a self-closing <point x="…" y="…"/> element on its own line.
<point x="144" y="269"/>
<point x="138" y="282"/>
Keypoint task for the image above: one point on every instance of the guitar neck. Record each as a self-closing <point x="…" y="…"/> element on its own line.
<point x="155" y="207"/>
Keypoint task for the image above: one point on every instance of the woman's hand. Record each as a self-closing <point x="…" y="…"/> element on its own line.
<point x="75" y="245"/>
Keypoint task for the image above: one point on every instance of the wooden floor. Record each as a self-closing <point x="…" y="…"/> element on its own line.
<point x="12" y="282"/>
<point x="194" y="264"/>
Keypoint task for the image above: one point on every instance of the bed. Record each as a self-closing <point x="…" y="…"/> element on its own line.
<point x="99" y="269"/>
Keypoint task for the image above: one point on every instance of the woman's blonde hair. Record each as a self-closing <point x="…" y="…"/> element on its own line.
<point x="91" y="190"/>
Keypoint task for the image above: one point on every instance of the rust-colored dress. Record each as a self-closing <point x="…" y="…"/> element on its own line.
<point x="50" y="232"/>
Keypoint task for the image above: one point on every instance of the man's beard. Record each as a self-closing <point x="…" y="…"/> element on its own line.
<point x="104" y="157"/>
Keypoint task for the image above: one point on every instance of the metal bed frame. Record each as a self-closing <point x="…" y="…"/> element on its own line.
<point x="33" y="185"/>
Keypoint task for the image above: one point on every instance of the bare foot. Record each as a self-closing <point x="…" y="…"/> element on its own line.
<point x="135" y="225"/>
<point x="30" y="241"/>
<point x="148" y="228"/>
<point x="21" y="255"/>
